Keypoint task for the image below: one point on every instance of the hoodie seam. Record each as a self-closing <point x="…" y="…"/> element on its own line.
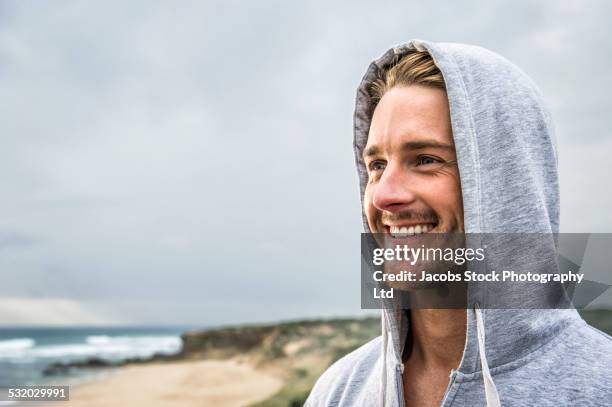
<point x="598" y="332"/>
<point x="522" y="361"/>
<point x="476" y="154"/>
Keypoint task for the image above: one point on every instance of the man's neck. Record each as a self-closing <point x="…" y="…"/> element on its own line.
<point x="436" y="340"/>
<point x="438" y="337"/>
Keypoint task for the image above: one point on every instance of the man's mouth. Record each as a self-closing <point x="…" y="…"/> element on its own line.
<point x="409" y="230"/>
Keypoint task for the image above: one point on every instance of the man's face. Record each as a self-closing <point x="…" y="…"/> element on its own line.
<point x="413" y="184"/>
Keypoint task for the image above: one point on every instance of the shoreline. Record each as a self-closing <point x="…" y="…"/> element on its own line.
<point x="222" y="383"/>
<point x="256" y="365"/>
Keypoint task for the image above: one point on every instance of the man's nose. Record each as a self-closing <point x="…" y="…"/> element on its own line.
<point x="394" y="190"/>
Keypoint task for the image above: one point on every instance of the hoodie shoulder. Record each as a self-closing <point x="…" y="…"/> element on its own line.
<point x="591" y="351"/>
<point x="593" y="348"/>
<point x="575" y="369"/>
<point x="347" y="381"/>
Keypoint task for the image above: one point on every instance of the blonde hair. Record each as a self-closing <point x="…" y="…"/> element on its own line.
<point x="415" y="68"/>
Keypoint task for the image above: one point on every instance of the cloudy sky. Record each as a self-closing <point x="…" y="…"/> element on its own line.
<point x="191" y="162"/>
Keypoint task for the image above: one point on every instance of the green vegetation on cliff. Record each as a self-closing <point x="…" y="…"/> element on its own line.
<point x="297" y="351"/>
<point x="300" y="351"/>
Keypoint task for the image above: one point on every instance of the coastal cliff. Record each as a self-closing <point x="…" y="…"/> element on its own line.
<point x="293" y="353"/>
<point x="298" y="352"/>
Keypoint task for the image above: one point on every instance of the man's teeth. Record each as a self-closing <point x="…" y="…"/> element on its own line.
<point x="397" y="231"/>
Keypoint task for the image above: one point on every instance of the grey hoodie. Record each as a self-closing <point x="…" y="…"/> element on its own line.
<point x="507" y="161"/>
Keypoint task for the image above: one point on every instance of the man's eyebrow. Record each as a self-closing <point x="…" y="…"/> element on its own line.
<point x="371" y="151"/>
<point x="411" y="145"/>
<point x="422" y="144"/>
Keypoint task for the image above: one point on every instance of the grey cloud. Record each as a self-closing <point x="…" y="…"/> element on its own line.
<point x="143" y="142"/>
<point x="11" y="239"/>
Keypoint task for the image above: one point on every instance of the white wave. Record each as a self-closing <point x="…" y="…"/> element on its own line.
<point x="58" y="351"/>
<point x="98" y="339"/>
<point x="16" y="344"/>
<point x="142" y="346"/>
<point x="113" y="348"/>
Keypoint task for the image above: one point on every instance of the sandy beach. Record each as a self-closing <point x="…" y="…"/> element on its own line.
<point x="219" y="383"/>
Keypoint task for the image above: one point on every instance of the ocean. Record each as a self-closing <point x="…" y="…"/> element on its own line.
<point x="25" y="353"/>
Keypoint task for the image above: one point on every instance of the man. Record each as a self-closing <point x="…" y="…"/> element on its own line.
<point x="454" y="138"/>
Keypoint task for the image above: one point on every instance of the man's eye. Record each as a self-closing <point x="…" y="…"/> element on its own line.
<point x="425" y="160"/>
<point x="377" y="166"/>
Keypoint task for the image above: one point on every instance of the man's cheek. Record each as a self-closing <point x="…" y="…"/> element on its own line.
<point x="367" y="201"/>
<point x="369" y="210"/>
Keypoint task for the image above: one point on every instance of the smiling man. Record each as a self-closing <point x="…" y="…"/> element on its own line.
<point x="413" y="187"/>
<point x="452" y="138"/>
<point x="413" y="178"/>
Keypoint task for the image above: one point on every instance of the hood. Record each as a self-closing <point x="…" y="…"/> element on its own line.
<point x="507" y="161"/>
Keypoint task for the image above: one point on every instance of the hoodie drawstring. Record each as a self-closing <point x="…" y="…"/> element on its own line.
<point x="491" y="394"/>
<point x="490" y="390"/>
<point x="385" y="339"/>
